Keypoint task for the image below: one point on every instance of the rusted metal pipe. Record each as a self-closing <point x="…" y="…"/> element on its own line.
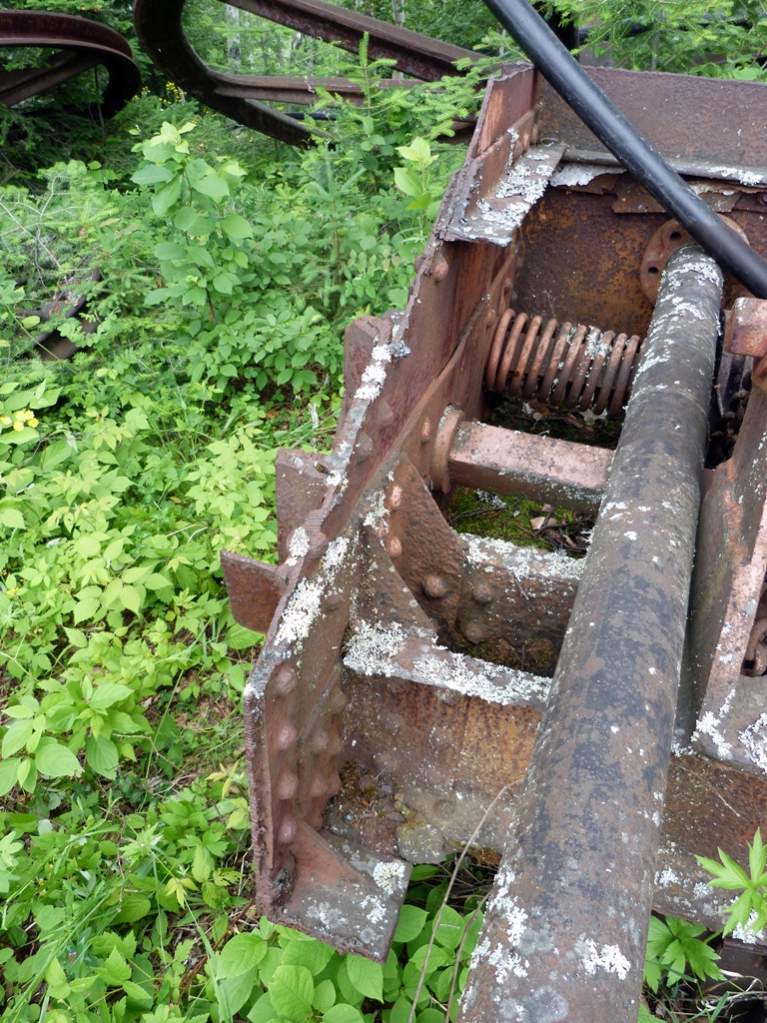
<point x="565" y="931"/>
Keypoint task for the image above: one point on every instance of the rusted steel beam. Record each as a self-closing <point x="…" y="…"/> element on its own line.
<point x="566" y="924"/>
<point x="85" y="43"/>
<point x="240" y="97"/>
<point x="564" y="473"/>
<point x="414" y="53"/>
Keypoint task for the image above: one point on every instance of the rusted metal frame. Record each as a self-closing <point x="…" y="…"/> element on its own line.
<point x="714" y="126"/>
<point x="237" y="96"/>
<point x="726" y="713"/>
<point x="91" y="40"/>
<point x="413" y="53"/>
<point x="566" y="923"/>
<point x="562" y="473"/>
<point x="16" y="86"/>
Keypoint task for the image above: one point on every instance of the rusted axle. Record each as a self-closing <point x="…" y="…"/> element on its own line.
<point x="567" y="921"/>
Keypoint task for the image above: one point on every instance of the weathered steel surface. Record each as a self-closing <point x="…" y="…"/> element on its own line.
<point x="78" y="45"/>
<point x="704" y="126"/>
<point x="584" y="848"/>
<point x="558" y="472"/>
<point x="404" y="677"/>
<point x="240" y="97"/>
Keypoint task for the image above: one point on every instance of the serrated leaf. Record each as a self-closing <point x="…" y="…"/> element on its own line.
<point x="137" y="995"/>
<point x="114" y="971"/>
<point x="365" y="976"/>
<point x="133" y="906"/>
<point x="166" y="197"/>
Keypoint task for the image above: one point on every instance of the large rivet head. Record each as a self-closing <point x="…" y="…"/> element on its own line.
<point x="435" y="586"/>
<point x="285" y="736"/>
<point x="285" y="680"/>
<point x="394" y="547"/>
<point x="287" y="786"/>
<point x="287" y="831"/>
<point x="441" y="269"/>
<point x="395" y="496"/>
<point x="426" y="429"/>
<point x="482" y="592"/>
<point x="320" y="741"/>
<point x="474" y="632"/>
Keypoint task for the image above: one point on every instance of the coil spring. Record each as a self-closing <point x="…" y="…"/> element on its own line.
<point x="561" y="363"/>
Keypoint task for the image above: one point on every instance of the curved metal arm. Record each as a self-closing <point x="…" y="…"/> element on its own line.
<point x="79" y="45"/>
<point x="160" y="29"/>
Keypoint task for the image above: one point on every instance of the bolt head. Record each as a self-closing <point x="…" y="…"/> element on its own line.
<point x="482" y="593"/>
<point x="395" y="496"/>
<point x="320" y="741"/>
<point x="426" y="429"/>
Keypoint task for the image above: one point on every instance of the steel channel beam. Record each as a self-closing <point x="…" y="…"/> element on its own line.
<point x="564" y="473"/>
<point x="565" y="930"/>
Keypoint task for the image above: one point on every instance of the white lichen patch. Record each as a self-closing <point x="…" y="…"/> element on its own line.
<point x="522" y="562"/>
<point x="504" y="914"/>
<point x="375" y="649"/>
<point x="488" y="682"/>
<point x="389" y="876"/>
<point x="608" y="958"/>
<point x="374" y="374"/>
<point x="709" y="725"/>
<point x="305" y="602"/>
<point x="748" y="933"/>
<point x="666" y="877"/>
<point x="570" y="175"/>
<point x="754" y="742"/>
<point x="298" y="545"/>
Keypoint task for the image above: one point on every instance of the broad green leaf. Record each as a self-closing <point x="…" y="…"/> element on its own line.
<point x="450" y="929"/>
<point x="11" y="517"/>
<point x="101" y="755"/>
<point x="8" y="772"/>
<point x="16" y="736"/>
<point x="262" y="1010"/>
<point x="133" y="906"/>
<point x="53" y="760"/>
<point x="314" y="955"/>
<point x="240" y="954"/>
<point x="236" y="228"/>
<point x="212" y="185"/>
<point x="109" y="693"/>
<point x="237" y="990"/>
<point x="410" y="923"/>
<point x="366" y="976"/>
<point x="292" y="990"/>
<point x="343" y="1014"/>
<point x="166" y="197"/>
<point x="405" y="181"/>
<point x="151" y="174"/>
<point x="324" y="995"/>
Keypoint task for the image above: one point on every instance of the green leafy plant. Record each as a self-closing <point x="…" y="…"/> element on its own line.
<point x="675" y="951"/>
<point x="749" y="910"/>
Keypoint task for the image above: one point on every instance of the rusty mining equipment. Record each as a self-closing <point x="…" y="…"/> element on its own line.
<point x="395" y="646"/>
<point x="396" y="649"/>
